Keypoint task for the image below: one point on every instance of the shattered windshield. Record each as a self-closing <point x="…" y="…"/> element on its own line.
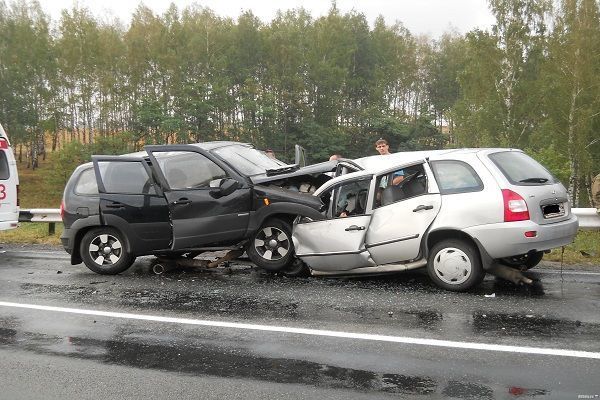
<point x="248" y="160"/>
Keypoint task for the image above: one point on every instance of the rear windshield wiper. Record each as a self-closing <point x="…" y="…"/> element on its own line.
<point x="283" y="170"/>
<point x="534" y="180"/>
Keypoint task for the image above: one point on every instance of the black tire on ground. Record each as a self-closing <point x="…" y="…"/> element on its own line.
<point x="455" y="265"/>
<point x="271" y="247"/>
<point x="105" y="251"/>
<point x="528" y="260"/>
<point x="296" y="269"/>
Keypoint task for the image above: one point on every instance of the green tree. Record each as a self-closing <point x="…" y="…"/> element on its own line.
<point x="572" y="95"/>
<point x="26" y="70"/>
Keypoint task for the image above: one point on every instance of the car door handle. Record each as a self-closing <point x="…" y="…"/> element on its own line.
<point x="423" y="207"/>
<point x="115" y="205"/>
<point x="181" y="202"/>
<point x="355" y="228"/>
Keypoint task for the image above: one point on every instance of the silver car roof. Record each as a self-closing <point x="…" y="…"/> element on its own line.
<point x="378" y="163"/>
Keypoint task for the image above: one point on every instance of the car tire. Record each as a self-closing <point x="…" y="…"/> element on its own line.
<point x="271" y="247"/>
<point x="105" y="251"/>
<point x="528" y="260"/>
<point x="455" y="265"/>
<point x="296" y="269"/>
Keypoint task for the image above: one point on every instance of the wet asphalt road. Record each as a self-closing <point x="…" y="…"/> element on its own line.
<point x="210" y="352"/>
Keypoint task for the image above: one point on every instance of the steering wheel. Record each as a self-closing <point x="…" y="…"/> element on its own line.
<point x="407" y="179"/>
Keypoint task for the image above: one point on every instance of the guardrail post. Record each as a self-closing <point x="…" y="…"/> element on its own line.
<point x="51" y="228"/>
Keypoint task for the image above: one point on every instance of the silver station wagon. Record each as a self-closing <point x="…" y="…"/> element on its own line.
<point x="459" y="213"/>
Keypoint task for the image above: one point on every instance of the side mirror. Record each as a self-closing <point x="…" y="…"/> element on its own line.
<point x="223" y="187"/>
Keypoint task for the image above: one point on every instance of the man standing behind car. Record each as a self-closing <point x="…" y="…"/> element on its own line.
<point x="383" y="147"/>
<point x="596" y="193"/>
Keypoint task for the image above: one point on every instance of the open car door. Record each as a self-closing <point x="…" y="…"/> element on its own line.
<point x="338" y="242"/>
<point x="131" y="202"/>
<point x="208" y="201"/>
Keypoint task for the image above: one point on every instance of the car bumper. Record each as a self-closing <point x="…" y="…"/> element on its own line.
<point x="4" y="225"/>
<point x="67" y="240"/>
<point x="508" y="239"/>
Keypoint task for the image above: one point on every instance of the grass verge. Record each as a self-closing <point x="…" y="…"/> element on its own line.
<point x="32" y="232"/>
<point x="584" y="250"/>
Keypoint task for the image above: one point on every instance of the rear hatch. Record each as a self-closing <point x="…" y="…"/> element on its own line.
<point x="546" y="197"/>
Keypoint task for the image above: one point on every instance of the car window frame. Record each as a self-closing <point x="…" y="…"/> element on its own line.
<point x="493" y="158"/>
<point x="96" y="159"/>
<point x="78" y="179"/>
<point x="4" y="166"/>
<point x="389" y="171"/>
<point x="162" y="181"/>
<point x="334" y="196"/>
<point x="469" y="167"/>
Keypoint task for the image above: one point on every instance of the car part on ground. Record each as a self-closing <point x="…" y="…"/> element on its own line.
<point x="525" y="261"/>
<point x="510" y="274"/>
<point x="296" y="269"/>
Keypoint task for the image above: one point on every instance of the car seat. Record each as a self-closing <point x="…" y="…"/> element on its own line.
<point x="392" y="194"/>
<point x="361" y="202"/>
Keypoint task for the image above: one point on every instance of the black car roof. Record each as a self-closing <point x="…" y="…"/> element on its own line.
<point x="217" y="144"/>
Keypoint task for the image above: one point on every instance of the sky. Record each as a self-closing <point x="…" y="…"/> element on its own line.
<point x="420" y="17"/>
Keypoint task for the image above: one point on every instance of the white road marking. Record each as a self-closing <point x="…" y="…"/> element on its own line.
<point x="315" y="332"/>
<point x="564" y="272"/>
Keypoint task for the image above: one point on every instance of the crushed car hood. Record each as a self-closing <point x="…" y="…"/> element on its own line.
<point x="277" y="194"/>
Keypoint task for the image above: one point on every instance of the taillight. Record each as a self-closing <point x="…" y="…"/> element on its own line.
<point x="515" y="207"/>
<point x="62" y="210"/>
<point x="3" y="143"/>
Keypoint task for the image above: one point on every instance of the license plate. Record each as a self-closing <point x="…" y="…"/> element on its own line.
<point x="553" y="210"/>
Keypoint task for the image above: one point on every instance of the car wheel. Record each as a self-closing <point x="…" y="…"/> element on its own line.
<point x="105" y="251"/>
<point x="528" y="260"/>
<point x="296" y="269"/>
<point x="455" y="265"/>
<point x="271" y="247"/>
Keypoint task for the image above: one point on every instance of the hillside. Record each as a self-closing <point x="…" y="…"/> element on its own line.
<point x="34" y="190"/>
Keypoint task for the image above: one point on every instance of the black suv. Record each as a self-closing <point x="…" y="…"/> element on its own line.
<point x="180" y="200"/>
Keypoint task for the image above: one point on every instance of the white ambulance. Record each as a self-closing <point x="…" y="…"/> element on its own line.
<point x="9" y="184"/>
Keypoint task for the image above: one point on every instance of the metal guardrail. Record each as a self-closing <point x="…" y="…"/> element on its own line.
<point x="50" y="215"/>
<point x="588" y="217"/>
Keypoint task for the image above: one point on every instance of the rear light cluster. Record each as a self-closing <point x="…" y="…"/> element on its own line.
<point x="62" y="209"/>
<point x="515" y="207"/>
<point x="3" y="144"/>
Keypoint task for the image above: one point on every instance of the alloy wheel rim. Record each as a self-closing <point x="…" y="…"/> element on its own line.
<point x="105" y="249"/>
<point x="452" y="266"/>
<point x="272" y="243"/>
